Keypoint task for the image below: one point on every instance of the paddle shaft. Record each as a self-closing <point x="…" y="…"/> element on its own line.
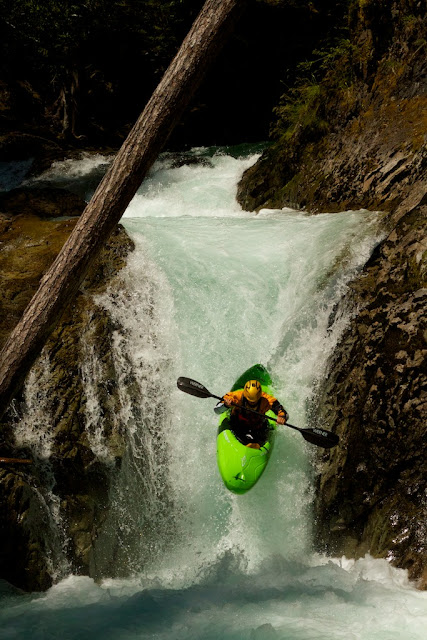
<point x="319" y="437"/>
<point x="262" y="415"/>
<point x="257" y="413"/>
<point x="203" y="392"/>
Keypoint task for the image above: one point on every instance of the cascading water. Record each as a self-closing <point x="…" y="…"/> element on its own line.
<point x="211" y="290"/>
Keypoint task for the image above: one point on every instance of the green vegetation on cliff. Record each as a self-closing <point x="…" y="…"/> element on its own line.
<point x="350" y="134"/>
<point x="81" y="72"/>
<point x="368" y="79"/>
<point x="88" y="59"/>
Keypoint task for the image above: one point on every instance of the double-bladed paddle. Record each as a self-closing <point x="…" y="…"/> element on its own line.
<point x="319" y="437"/>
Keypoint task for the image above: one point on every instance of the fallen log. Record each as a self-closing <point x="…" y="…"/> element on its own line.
<point x="137" y="154"/>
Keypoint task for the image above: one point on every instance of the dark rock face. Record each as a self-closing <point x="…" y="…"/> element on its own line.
<point x="374" y="154"/>
<point x="372" y="487"/>
<point x="84" y="93"/>
<point x="52" y="509"/>
<point x="372" y="494"/>
<point x="25" y="553"/>
<point x="42" y="202"/>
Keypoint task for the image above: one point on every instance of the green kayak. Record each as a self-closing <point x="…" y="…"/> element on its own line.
<point x="241" y="467"/>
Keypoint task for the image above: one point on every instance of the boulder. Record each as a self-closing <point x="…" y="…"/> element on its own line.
<point x="372" y="487"/>
<point x="364" y="146"/>
<point x="43" y="531"/>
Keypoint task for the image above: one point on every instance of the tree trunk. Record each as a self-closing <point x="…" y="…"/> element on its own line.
<point x="137" y="154"/>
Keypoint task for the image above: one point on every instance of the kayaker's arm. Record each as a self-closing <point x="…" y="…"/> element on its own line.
<point x="230" y="399"/>
<point x="280" y="411"/>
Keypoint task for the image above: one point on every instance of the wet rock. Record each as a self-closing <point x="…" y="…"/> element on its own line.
<point x="372" y="487"/>
<point x="28" y="247"/>
<point x="264" y="632"/>
<point x="40" y="530"/>
<point x="17" y="145"/>
<point x="22" y="525"/>
<point x="178" y="160"/>
<point x="38" y="150"/>
<point x="41" y="202"/>
<point x="372" y="154"/>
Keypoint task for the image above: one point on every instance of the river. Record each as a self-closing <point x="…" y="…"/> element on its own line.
<point x="210" y="291"/>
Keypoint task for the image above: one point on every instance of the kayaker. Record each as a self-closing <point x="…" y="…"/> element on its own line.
<point x="249" y="428"/>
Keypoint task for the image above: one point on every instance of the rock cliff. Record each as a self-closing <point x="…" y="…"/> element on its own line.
<point x="353" y="137"/>
<point x="364" y="143"/>
<point x="372" y="488"/>
<point x="365" y="147"/>
<point x="51" y="510"/>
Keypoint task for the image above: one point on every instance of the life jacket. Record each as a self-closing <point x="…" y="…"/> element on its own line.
<point x="247" y="419"/>
<point x="265" y="403"/>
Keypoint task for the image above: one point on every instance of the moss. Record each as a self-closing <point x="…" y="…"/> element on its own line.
<point x="29" y="246"/>
<point x="358" y="103"/>
<point x="374" y="388"/>
<point x="300" y="115"/>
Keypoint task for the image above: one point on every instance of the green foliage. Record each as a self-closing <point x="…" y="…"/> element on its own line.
<point x="300" y="114"/>
<point x="337" y="58"/>
<point x="90" y="59"/>
<point x="302" y="111"/>
<point x="57" y="30"/>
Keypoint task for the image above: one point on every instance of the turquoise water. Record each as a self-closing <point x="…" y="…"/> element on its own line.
<point x="209" y="291"/>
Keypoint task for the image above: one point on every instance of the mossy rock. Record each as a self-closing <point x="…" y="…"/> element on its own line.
<point x="30" y="243"/>
<point x="373" y="483"/>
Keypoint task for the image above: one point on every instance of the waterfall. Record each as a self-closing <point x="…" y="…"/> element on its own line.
<point x="209" y="291"/>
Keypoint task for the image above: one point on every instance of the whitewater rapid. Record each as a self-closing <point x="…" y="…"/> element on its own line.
<point x="209" y="291"/>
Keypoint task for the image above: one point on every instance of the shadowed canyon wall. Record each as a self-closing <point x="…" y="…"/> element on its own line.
<point x="356" y="138"/>
<point x="350" y="132"/>
<point x="51" y="510"/>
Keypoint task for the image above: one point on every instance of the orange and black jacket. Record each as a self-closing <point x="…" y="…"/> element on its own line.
<point x="265" y="403"/>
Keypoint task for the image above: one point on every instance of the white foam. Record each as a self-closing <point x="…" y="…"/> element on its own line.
<point x="210" y="290"/>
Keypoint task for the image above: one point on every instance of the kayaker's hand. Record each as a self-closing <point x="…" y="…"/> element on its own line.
<point x="281" y="420"/>
<point x="228" y="401"/>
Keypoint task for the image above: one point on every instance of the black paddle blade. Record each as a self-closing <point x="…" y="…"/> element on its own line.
<point x="320" y="437"/>
<point x="193" y="387"/>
